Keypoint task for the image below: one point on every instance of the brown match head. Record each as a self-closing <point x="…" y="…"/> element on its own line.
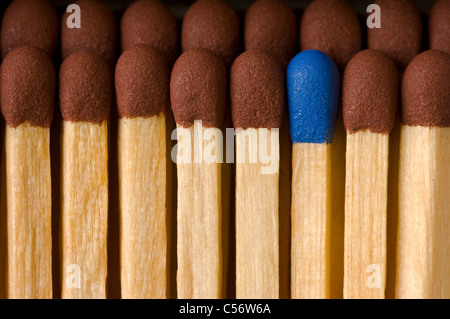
<point x="331" y="26"/>
<point x="150" y="22"/>
<point x="198" y="88"/>
<point x="142" y="82"/>
<point x="30" y="22"/>
<point x="426" y="90"/>
<point x="370" y="92"/>
<point x="271" y="25"/>
<point x="27" y="87"/>
<point x="212" y="25"/>
<point x="400" y="35"/>
<point x="439" y="26"/>
<point x="85" y="88"/>
<point x="256" y="90"/>
<point x="97" y="33"/>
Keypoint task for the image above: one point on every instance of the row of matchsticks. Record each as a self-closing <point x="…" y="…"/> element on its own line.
<point x="308" y="202"/>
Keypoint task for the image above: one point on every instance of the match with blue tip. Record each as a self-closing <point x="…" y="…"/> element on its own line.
<point x="313" y="97"/>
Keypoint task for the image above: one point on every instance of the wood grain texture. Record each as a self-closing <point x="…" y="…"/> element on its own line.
<point x="337" y="209"/>
<point x="84" y="210"/>
<point x="199" y="213"/>
<point x="284" y="213"/>
<point x="423" y="245"/>
<point x="257" y="223"/>
<point x="142" y="195"/>
<point x="365" y="215"/>
<point x="28" y="183"/>
<point x="3" y="220"/>
<point x="311" y="221"/>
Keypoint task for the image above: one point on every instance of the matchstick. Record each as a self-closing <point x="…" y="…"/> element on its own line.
<point x="198" y="92"/>
<point x="271" y="25"/>
<point x="400" y="37"/>
<point x="257" y="103"/>
<point x="332" y="26"/>
<point x="85" y="100"/>
<point x="33" y="23"/>
<point x="28" y="181"/>
<point x="439" y="26"/>
<point x="150" y="22"/>
<point x="370" y="90"/>
<point x="313" y="96"/>
<point x="212" y="25"/>
<point x="142" y="89"/>
<point x="423" y="246"/>
<point x="97" y="32"/>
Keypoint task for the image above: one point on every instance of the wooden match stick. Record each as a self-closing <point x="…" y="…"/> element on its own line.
<point x="33" y="23"/>
<point x="151" y="22"/>
<point x="400" y="37"/>
<point x="214" y="25"/>
<point x="142" y="89"/>
<point x="370" y="90"/>
<point x="27" y="94"/>
<point x="313" y="95"/>
<point x="439" y="26"/>
<point x="423" y="246"/>
<point x="271" y="25"/>
<point x="97" y="32"/>
<point x="85" y="101"/>
<point x="30" y="23"/>
<point x="198" y="92"/>
<point x="332" y="26"/>
<point x="257" y="103"/>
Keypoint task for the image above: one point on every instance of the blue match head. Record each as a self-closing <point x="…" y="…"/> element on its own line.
<point x="313" y="97"/>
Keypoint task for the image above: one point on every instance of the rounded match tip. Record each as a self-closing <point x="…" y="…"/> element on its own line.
<point x="400" y="35"/>
<point x="142" y="82"/>
<point x="439" y="26"/>
<point x="370" y="92"/>
<point x="29" y="22"/>
<point x="256" y="90"/>
<point x="426" y="90"/>
<point x="271" y="25"/>
<point x="313" y="97"/>
<point x="331" y="26"/>
<point x="212" y="25"/>
<point x="198" y="88"/>
<point x="97" y="32"/>
<point x="27" y="87"/>
<point x="150" y="22"/>
<point x="85" y="88"/>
